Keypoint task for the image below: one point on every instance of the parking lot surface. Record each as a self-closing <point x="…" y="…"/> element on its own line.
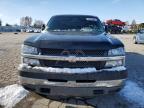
<point x="130" y="97"/>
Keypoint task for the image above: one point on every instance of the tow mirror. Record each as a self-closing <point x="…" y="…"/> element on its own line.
<point x="106" y="28"/>
<point x="43" y="27"/>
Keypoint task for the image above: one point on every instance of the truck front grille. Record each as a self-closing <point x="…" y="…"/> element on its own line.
<point x="79" y="64"/>
<point x="77" y="53"/>
<point x="61" y="52"/>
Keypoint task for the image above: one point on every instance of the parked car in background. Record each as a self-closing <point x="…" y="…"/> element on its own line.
<point x="115" y="22"/>
<point x="125" y="29"/>
<point x="37" y="30"/>
<point x="23" y="30"/>
<point x="30" y="30"/>
<point x="139" y="37"/>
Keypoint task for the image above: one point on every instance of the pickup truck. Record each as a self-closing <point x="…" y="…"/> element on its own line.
<point x="75" y="57"/>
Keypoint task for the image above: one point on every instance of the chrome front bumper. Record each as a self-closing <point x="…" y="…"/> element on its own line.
<point x="140" y="41"/>
<point x="109" y="83"/>
<point x="72" y="84"/>
<point x="71" y="88"/>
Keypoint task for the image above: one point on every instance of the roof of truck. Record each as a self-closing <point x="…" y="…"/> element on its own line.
<point x="67" y="15"/>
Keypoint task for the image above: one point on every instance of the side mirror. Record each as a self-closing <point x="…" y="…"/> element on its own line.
<point x="43" y="27"/>
<point x="106" y="29"/>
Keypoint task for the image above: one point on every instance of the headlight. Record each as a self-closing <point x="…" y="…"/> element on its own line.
<point x="114" y="63"/>
<point x="33" y="62"/>
<point x="116" y="52"/>
<point x="29" y="49"/>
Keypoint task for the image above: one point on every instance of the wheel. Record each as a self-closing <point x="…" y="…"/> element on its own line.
<point x="135" y="41"/>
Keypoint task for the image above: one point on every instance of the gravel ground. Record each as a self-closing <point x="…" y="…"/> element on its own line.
<point x="10" y="44"/>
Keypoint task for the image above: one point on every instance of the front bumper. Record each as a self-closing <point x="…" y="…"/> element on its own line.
<point x="140" y="41"/>
<point x="72" y="84"/>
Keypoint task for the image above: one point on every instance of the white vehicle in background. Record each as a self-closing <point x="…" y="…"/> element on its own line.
<point x="29" y="30"/>
<point x="139" y="37"/>
<point x="37" y="30"/>
<point x="23" y="30"/>
<point x="125" y="29"/>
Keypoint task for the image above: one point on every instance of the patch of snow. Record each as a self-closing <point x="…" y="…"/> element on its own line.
<point x="77" y="70"/>
<point x="70" y="70"/>
<point x="24" y="66"/>
<point x="86" y="29"/>
<point x="11" y="95"/>
<point x="66" y="70"/>
<point x="133" y="93"/>
<point x="120" y="68"/>
<point x="58" y="30"/>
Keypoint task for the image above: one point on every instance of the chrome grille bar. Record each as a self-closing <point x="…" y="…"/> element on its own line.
<point x="73" y="58"/>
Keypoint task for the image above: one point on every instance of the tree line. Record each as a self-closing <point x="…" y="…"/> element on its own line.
<point x="27" y="21"/>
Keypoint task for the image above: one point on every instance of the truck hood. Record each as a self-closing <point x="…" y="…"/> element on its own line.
<point x="73" y="41"/>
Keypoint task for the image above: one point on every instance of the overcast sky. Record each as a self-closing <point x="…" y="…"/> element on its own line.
<point x="126" y="10"/>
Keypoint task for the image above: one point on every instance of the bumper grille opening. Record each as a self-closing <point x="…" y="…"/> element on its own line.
<point x="57" y="80"/>
<point x="58" y="52"/>
<point x="29" y="88"/>
<point x="78" y="64"/>
<point x="85" y="81"/>
<point x="45" y="90"/>
<point x="98" y="92"/>
<point x="115" y="91"/>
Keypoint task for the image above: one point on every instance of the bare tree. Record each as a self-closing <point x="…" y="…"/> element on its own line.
<point x="38" y="23"/>
<point x="26" y="21"/>
<point x="133" y="22"/>
<point x="134" y="25"/>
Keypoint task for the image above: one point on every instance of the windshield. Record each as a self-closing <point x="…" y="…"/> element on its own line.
<point x="75" y="23"/>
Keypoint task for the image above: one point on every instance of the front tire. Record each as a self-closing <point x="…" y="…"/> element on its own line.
<point x="135" y="41"/>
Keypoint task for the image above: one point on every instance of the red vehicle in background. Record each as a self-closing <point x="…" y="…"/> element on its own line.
<point x="115" y="22"/>
<point x="115" y="26"/>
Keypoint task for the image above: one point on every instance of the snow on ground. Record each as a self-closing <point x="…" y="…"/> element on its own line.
<point x="11" y="95"/>
<point x="77" y="70"/>
<point x="133" y="93"/>
<point x="66" y="70"/>
<point x="70" y="70"/>
<point x="119" y="68"/>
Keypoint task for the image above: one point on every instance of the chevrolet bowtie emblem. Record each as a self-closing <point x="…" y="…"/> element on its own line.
<point x="72" y="55"/>
<point x="72" y="59"/>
